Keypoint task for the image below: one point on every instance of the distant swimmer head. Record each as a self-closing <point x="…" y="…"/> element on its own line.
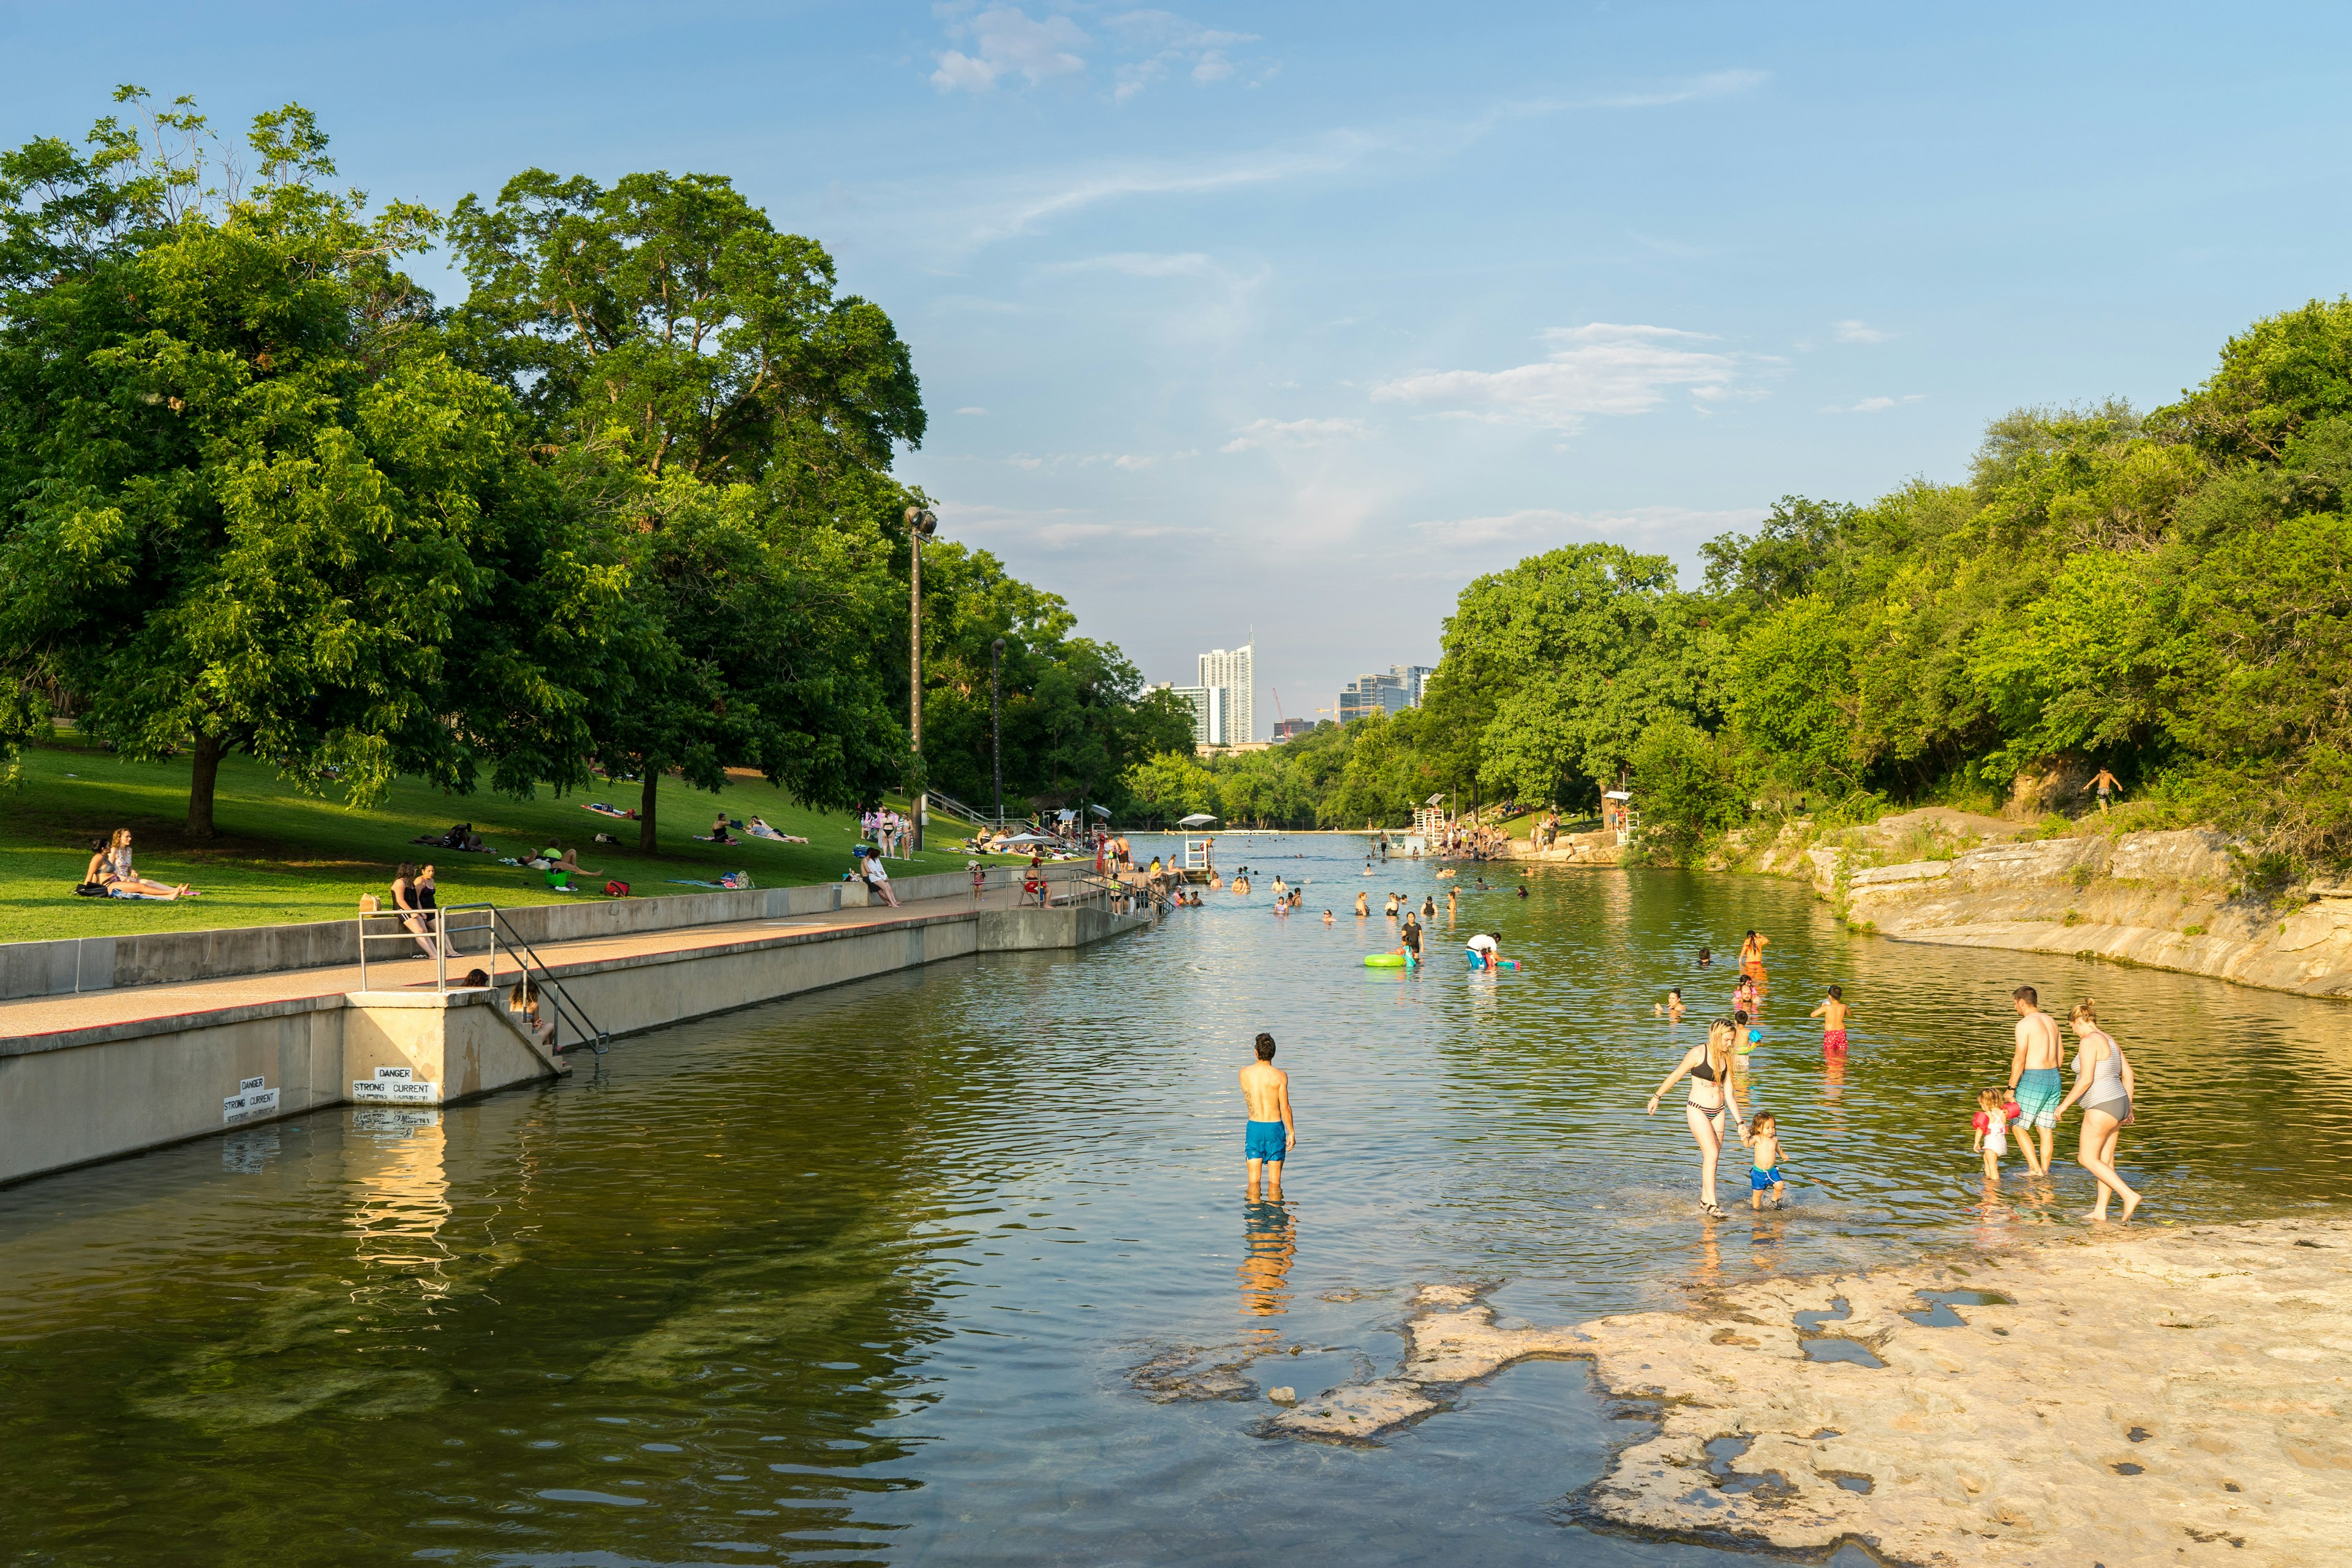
<point x="1266" y="1047"/>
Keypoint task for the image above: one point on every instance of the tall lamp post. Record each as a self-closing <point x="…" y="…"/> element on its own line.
<point x="996" y="721"/>
<point x="921" y="525"/>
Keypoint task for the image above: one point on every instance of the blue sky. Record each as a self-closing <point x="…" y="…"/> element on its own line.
<point x="1296" y="318"/>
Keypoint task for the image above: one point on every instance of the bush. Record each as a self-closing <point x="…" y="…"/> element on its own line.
<point x="1685" y="789"/>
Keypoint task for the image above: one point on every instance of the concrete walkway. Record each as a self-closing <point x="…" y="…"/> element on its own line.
<point x="29" y="1019"/>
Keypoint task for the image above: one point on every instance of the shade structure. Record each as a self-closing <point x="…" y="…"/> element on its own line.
<point x="1198" y="819"/>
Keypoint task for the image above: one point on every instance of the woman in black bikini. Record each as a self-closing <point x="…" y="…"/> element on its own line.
<point x="1713" y="1108"/>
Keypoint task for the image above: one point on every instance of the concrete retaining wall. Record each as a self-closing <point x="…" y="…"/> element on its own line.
<point x="91" y="1094"/>
<point x="75" y="964"/>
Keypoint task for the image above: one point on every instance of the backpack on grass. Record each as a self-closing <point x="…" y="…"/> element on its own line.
<point x="617" y="889"/>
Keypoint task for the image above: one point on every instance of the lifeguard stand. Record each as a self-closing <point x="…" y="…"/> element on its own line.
<point x="1196" y="854"/>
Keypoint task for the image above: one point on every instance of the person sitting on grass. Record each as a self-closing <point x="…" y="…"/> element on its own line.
<point x="719" y="834"/>
<point x="411" y="898"/>
<point x="111" y="868"/>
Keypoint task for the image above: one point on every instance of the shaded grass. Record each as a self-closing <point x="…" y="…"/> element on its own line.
<point x="283" y="857"/>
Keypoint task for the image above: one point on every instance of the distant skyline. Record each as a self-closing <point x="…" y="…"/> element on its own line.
<point x="1300" y="317"/>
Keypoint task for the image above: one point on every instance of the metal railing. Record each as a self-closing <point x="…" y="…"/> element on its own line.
<point x="949" y="806"/>
<point x="445" y="937"/>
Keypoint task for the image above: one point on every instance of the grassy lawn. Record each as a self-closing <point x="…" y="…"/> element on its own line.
<point x="282" y="857"/>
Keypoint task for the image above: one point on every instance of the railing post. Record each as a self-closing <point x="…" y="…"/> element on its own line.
<point x="362" y="925"/>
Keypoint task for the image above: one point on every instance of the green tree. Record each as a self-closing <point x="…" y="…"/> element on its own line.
<point x="697" y="380"/>
<point x="1688" y="786"/>
<point x="252" y="505"/>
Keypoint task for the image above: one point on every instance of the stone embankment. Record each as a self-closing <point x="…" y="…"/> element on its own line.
<point x="2141" y="1396"/>
<point x="2166" y="899"/>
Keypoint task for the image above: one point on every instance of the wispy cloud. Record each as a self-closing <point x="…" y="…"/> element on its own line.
<point x="1054" y="528"/>
<point x="1852" y="332"/>
<point x="1535" y="526"/>
<point x="975" y="413"/>
<point x="1005" y="41"/>
<point x="1167" y="43"/>
<point x="1602" y="368"/>
<point x="1683" y="89"/>
<point x="1126" y="462"/>
<point x="1260" y="434"/>
<point x="1875" y="405"/>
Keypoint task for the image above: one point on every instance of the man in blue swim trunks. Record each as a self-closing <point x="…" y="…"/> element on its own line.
<point x="1271" y="1134"/>
<point x="2034" y="1081"/>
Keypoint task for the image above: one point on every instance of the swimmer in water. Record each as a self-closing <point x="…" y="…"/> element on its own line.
<point x="1428" y="908"/>
<point x="1707" y="958"/>
<point x="1672" y="1007"/>
<point x="1523" y="889"/>
<point x="1751" y="952"/>
<point x="1762" y="1138"/>
<point x="1389" y="912"/>
<point x="1327" y="917"/>
<point x="1280" y="886"/>
<point x="1363" y="907"/>
<point x="1743" y="995"/>
<point x="1833" y="1013"/>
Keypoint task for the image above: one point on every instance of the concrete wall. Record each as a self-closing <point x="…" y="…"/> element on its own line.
<point x="84" y="1095"/>
<point x="104" y="962"/>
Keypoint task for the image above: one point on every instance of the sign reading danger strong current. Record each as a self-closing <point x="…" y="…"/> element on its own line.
<point x="401" y="1086"/>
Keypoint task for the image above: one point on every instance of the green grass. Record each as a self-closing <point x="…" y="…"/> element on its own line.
<point x="283" y="857"/>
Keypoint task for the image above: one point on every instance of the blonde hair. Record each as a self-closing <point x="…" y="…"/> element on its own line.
<point x="2083" y="1013"/>
<point x="1720" y="1037"/>
<point x="1988" y="1098"/>
<point x="121" y="837"/>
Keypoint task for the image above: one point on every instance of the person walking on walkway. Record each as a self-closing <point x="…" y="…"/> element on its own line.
<point x="2103" y="1083"/>
<point x="1713" y="1108"/>
<point x="2106" y="783"/>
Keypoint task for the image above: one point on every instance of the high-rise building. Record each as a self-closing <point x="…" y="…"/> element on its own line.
<point x="1210" y="727"/>
<point x="1369" y="694"/>
<point x="1415" y="677"/>
<point x="1291" y="728"/>
<point x="1231" y="668"/>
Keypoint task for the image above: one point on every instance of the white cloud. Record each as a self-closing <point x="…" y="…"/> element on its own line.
<point x="1006" y="40"/>
<point x="1260" y="434"/>
<point x="1172" y="42"/>
<point x="975" y="413"/>
<point x="1213" y="66"/>
<point x="1549" y="526"/>
<point x="1602" y="368"/>
<point x="1875" y="405"/>
<point x="1127" y="462"/>
<point x="1054" y="528"/>
<point x="1686" y="89"/>
<point x="1851" y="331"/>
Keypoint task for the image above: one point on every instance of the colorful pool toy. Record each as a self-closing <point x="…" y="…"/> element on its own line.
<point x="1384" y="960"/>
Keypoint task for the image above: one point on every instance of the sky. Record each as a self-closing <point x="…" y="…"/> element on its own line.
<point x="1290" y="320"/>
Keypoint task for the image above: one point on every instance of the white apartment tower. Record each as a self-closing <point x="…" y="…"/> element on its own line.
<point x="1231" y="669"/>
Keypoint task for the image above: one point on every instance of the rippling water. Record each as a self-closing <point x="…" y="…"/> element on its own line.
<point x="868" y="1277"/>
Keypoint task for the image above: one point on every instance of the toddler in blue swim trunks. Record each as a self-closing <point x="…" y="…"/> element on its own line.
<point x="1272" y="1131"/>
<point x="1763" y="1137"/>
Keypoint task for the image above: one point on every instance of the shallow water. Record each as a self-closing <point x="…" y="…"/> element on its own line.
<point x="868" y="1277"/>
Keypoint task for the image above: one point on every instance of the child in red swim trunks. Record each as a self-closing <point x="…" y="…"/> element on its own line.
<point x="1832" y="1012"/>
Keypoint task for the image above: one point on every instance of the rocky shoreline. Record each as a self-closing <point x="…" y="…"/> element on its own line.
<point x="2131" y="1397"/>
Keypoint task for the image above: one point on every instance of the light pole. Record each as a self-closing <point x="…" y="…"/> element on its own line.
<point x="996" y="721"/>
<point x="921" y="525"/>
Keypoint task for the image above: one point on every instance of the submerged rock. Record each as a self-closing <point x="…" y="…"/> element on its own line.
<point x="2139" y="1396"/>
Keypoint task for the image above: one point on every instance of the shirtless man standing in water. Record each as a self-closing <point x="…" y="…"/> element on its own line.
<point x="1271" y="1134"/>
<point x="2033" y="1080"/>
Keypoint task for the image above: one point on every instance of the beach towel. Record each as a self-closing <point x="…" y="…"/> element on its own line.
<point x="732" y="882"/>
<point x="126" y="893"/>
<point x="602" y="809"/>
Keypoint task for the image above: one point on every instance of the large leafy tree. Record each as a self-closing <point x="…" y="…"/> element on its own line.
<point x="251" y="505"/>
<point x="697" y="380"/>
<point x="1584" y="647"/>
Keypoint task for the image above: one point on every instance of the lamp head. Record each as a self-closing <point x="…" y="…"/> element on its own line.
<point x="921" y="522"/>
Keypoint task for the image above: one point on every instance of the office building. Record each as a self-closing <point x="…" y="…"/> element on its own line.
<point x="1415" y="677"/>
<point x="1369" y="694"/>
<point x="1231" y="668"/>
<point x="1209" y="714"/>
<point x="1289" y="728"/>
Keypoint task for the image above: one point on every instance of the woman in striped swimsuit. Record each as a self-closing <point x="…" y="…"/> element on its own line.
<point x="2102" y="1082"/>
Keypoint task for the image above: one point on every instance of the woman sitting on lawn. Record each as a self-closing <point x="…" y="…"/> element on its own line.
<point x="111" y="868"/>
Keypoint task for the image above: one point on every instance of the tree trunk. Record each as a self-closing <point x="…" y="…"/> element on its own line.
<point x="645" y="804"/>
<point x="201" y="779"/>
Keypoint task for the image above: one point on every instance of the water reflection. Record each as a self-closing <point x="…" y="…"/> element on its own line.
<point x="862" y="1275"/>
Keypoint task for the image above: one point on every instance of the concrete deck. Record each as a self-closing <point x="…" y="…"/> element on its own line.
<point x="27" y="1024"/>
<point x="113" y="1072"/>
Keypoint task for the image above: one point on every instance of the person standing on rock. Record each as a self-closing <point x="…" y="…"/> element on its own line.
<point x="2103" y="1083"/>
<point x="1272" y="1131"/>
<point x="2034" y="1081"/>
<point x="1713" y="1101"/>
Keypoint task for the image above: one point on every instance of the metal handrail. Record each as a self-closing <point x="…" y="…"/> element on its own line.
<point x="545" y="984"/>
